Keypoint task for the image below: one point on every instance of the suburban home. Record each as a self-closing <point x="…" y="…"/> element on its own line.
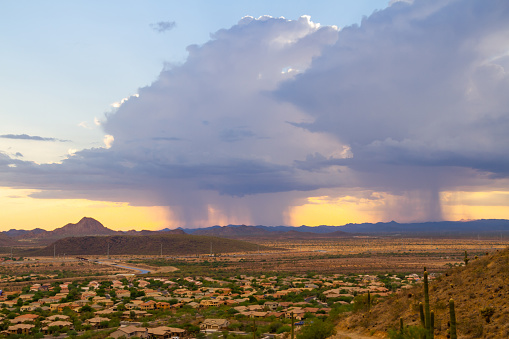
<point x="129" y="332"/>
<point x="212" y="325"/>
<point x="25" y="329"/>
<point x="24" y="318"/>
<point x="28" y="308"/>
<point x="164" y="332"/>
<point x="60" y="324"/>
<point x="96" y="321"/>
<point x="211" y="303"/>
<point x="149" y="305"/>
<point x="123" y="293"/>
<point x="163" y="305"/>
<point x="271" y="305"/>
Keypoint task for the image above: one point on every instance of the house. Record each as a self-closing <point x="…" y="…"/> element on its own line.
<point x="211" y="303"/>
<point x="96" y="321"/>
<point x="57" y="317"/>
<point x="163" y="305"/>
<point x="271" y="305"/>
<point x="123" y="293"/>
<point x="60" y="324"/>
<point x="297" y="314"/>
<point x="258" y="314"/>
<point x="24" y="329"/>
<point x="130" y="331"/>
<point x="164" y="332"/>
<point x="105" y="312"/>
<point x="28" y="308"/>
<point x="24" y="318"/>
<point x="149" y="305"/>
<point x="278" y="315"/>
<point x="26" y="297"/>
<point x="86" y="295"/>
<point x="212" y="325"/>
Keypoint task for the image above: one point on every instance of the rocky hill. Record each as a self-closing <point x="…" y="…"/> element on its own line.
<point x="172" y="244"/>
<point x="480" y="292"/>
<point x="86" y="226"/>
<point x="6" y="240"/>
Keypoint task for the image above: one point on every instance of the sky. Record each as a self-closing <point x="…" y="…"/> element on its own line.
<point x="154" y="114"/>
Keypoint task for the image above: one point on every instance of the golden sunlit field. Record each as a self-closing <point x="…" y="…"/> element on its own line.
<point x="357" y="255"/>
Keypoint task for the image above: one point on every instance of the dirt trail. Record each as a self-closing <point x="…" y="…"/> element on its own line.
<point x="350" y="335"/>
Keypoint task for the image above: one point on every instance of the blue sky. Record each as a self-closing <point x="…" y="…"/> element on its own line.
<point x="199" y="113"/>
<point x="66" y="62"/>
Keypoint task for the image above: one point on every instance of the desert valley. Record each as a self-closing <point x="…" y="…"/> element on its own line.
<point x="84" y="280"/>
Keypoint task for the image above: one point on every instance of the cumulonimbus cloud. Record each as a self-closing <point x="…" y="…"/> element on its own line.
<point x="412" y="101"/>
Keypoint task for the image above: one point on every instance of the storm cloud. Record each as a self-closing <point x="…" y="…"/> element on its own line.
<point x="411" y="102"/>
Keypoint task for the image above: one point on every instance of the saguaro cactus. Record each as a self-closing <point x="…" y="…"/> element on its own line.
<point x="452" y="321"/>
<point x="293" y="327"/>
<point x="432" y="325"/>
<point x="421" y="314"/>
<point x="466" y="258"/>
<point x="427" y="314"/>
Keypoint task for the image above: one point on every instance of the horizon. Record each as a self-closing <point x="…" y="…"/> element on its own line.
<point x="258" y="225"/>
<point x="323" y="113"/>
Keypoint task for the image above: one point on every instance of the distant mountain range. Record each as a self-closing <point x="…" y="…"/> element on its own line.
<point x="484" y="227"/>
<point x="85" y="227"/>
<point x="91" y="227"/>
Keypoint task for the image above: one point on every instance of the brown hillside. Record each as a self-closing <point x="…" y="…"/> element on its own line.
<point x="482" y="284"/>
<point x="252" y="232"/>
<point x="173" y="244"/>
<point x="6" y="240"/>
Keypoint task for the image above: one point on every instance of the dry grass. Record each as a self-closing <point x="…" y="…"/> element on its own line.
<point x="482" y="284"/>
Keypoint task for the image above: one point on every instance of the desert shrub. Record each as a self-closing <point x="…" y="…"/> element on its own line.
<point x="409" y="332"/>
<point x="487" y="312"/>
<point x="317" y="329"/>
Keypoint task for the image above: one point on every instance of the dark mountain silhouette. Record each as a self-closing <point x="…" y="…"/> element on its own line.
<point x="172" y="244"/>
<point x="147" y="232"/>
<point x="16" y="233"/>
<point x="86" y="226"/>
<point x="485" y="227"/>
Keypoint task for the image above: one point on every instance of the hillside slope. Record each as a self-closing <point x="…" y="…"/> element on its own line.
<point x="172" y="244"/>
<point x="482" y="284"/>
<point x="256" y="232"/>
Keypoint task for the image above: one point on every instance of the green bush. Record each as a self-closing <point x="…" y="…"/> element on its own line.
<point x="317" y="329"/>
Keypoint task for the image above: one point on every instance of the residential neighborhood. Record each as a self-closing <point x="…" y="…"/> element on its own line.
<point x="189" y="307"/>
